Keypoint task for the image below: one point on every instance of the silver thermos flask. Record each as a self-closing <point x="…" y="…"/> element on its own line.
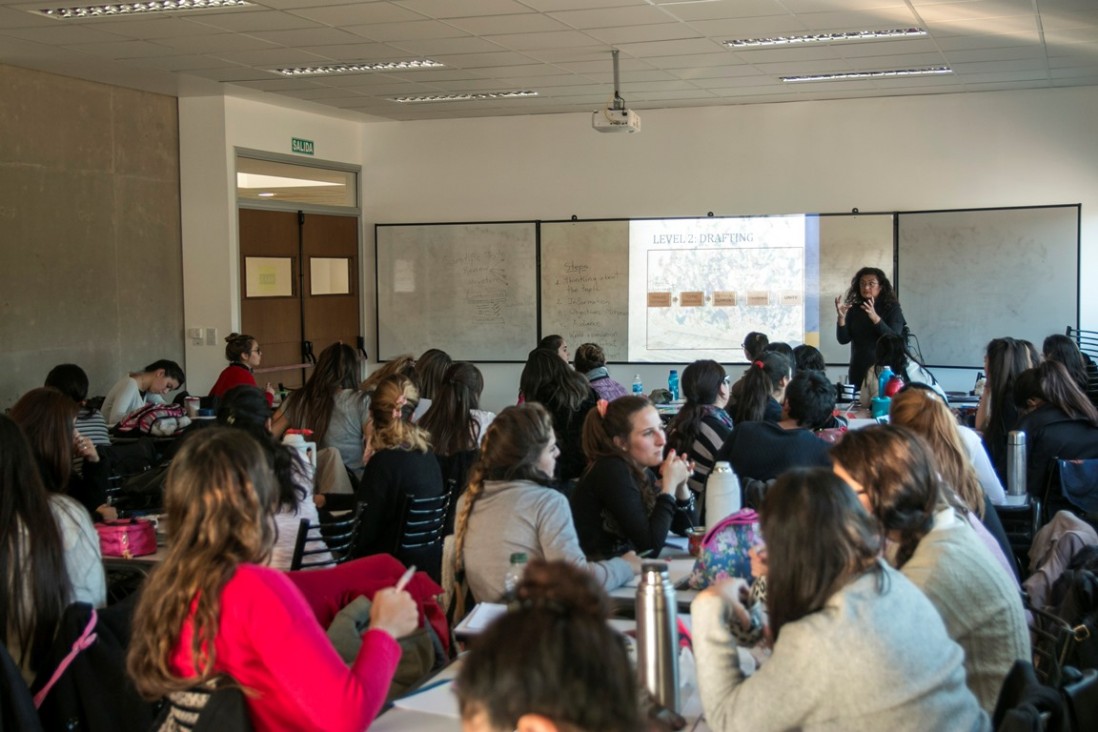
<point x="658" y="635"/>
<point x="1016" y="463"/>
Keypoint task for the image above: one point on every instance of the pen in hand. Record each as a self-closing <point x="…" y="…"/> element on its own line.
<point x="405" y="578"/>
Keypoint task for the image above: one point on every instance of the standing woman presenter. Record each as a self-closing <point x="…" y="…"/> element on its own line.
<point x="868" y="311"/>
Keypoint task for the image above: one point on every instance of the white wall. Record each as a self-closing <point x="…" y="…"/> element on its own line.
<point x="905" y="153"/>
<point x="211" y="129"/>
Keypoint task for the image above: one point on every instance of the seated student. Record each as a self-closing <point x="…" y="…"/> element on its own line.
<point x="1063" y="349"/>
<point x="72" y="381"/>
<point x="244" y="356"/>
<point x="996" y="415"/>
<point x="547" y="379"/>
<point x="702" y="425"/>
<point x="132" y="392"/>
<point x="457" y="427"/>
<point x="893" y="472"/>
<point x="403" y="365"/>
<point x="330" y="405"/>
<point x="210" y="610"/>
<point x="399" y="463"/>
<point x="49" y="555"/>
<point x="552" y="663"/>
<point x="556" y="344"/>
<point x="808" y="357"/>
<point x="46" y="417"/>
<point x="856" y="646"/>
<point x="892" y="352"/>
<point x="1058" y="419"/>
<point x="245" y="408"/>
<point x="591" y="362"/>
<point x="764" y="389"/>
<point x="431" y="368"/>
<point x="511" y="507"/>
<point x="923" y="411"/>
<point x="764" y="450"/>
<point x="620" y="504"/>
<point x="754" y="345"/>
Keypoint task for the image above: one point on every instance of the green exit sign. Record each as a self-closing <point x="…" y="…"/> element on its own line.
<point x="299" y="145"/>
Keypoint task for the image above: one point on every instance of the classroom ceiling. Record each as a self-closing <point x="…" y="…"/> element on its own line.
<point x="671" y="51"/>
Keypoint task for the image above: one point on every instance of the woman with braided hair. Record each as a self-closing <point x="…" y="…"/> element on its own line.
<point x="511" y="507"/>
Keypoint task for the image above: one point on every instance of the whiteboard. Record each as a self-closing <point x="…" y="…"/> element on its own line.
<point x="848" y="243"/>
<point x="970" y="276"/>
<point x="469" y="289"/>
<point x="585" y="284"/>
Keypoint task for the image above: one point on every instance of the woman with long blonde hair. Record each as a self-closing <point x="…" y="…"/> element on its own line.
<point x="399" y="463"/>
<point x="511" y="507"/>
<point x="922" y="410"/>
<point x="210" y="612"/>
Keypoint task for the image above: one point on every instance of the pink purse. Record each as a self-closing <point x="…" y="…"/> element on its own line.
<point x="127" y="538"/>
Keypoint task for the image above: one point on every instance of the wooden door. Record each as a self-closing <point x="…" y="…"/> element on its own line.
<point x="331" y="303"/>
<point x="284" y="313"/>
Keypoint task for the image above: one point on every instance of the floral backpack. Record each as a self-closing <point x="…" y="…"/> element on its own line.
<point x="724" y="550"/>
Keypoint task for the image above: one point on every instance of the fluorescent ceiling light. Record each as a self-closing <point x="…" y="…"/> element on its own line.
<point x="153" y="6"/>
<point x="258" y="180"/>
<point x="931" y="71"/>
<point x="471" y="97"/>
<point x="419" y="63"/>
<point x="865" y="35"/>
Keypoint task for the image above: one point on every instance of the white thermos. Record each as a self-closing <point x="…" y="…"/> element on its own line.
<point x="722" y="493"/>
<point x="658" y="635"/>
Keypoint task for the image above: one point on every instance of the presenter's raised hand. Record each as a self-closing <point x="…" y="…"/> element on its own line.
<point x="867" y="306"/>
<point x="841" y="307"/>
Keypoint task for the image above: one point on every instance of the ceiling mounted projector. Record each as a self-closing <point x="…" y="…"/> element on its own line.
<point x="616" y="118"/>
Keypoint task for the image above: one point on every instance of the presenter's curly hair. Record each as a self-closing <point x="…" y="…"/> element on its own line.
<point x="219" y="497"/>
<point x="887" y="294"/>
<point x="554" y="655"/>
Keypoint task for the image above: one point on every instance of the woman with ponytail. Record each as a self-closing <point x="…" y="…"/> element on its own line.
<point x="511" y="507"/>
<point x="893" y="472"/>
<point x="764" y="389"/>
<point x="621" y="503"/>
<point x="399" y="463"/>
<point x="552" y="663"/>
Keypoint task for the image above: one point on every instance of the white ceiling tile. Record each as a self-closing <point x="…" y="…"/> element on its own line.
<point x="786" y="53"/>
<point x="768" y="26"/>
<point x="270" y="58"/>
<point x="16" y="18"/>
<point x="706" y="75"/>
<point x="549" y="6"/>
<point x="462" y="9"/>
<point x="978" y="10"/>
<point x="1071" y="35"/>
<point x="216" y="43"/>
<point x="59" y="35"/>
<point x="899" y="61"/>
<point x="417" y="30"/>
<point x="965" y="43"/>
<point x="883" y="18"/>
<point x="483" y="25"/>
<point x="1009" y="53"/>
<point x="670" y="48"/>
<point x="612" y="17"/>
<point x="360" y="52"/>
<point x="152" y="28"/>
<point x="123" y="49"/>
<point x="1015" y="28"/>
<point x="440" y="46"/>
<point x="184" y="63"/>
<point x="1055" y="19"/>
<point x="226" y="73"/>
<point x="822" y="6"/>
<point x="281" y="85"/>
<point x="643" y="33"/>
<point x="307" y="37"/>
<point x="532" y="41"/>
<point x="482" y="60"/>
<point x="358" y="14"/>
<point x="725" y="9"/>
<point x="719" y="56"/>
<point x="260" y="20"/>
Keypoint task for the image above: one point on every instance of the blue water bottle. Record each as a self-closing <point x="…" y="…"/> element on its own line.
<point x="638" y="386"/>
<point x="673" y="384"/>
<point x="882" y="380"/>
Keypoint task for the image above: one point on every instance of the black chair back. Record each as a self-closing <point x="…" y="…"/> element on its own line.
<point x="423" y="525"/>
<point x="326" y="543"/>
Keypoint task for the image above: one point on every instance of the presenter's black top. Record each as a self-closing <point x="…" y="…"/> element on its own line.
<point x="862" y="335"/>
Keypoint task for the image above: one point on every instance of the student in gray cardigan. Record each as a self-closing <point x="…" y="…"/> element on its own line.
<point x="511" y="507"/>
<point x="856" y="645"/>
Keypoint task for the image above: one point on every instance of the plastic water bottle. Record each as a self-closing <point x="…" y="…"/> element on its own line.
<point x="638" y="386"/>
<point x="981" y="382"/>
<point x="882" y="380"/>
<point x="723" y="496"/>
<point x="658" y="635"/>
<point x="673" y="384"/>
<point x="514" y="574"/>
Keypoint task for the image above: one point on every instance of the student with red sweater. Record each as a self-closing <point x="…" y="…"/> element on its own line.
<point x="244" y="355"/>
<point x="210" y="610"/>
